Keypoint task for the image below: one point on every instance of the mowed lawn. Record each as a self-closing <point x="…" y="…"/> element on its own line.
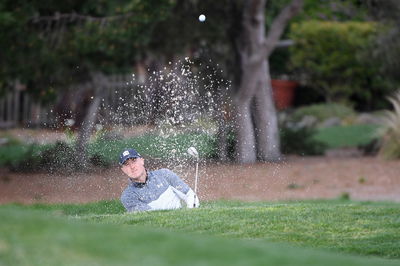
<point x="218" y="233"/>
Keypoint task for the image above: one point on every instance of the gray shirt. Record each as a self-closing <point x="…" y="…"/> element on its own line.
<point x="163" y="190"/>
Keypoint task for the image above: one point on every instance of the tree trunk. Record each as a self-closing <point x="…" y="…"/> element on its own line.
<point x="245" y="136"/>
<point x="86" y="129"/>
<point x="266" y="122"/>
<point x="222" y="136"/>
<point x="245" y="146"/>
<point x="254" y="49"/>
<point x="249" y="41"/>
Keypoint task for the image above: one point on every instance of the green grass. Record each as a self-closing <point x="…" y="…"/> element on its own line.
<point x="219" y="233"/>
<point x="17" y="152"/>
<point x="156" y="146"/>
<point x="347" y="136"/>
<point x="175" y="146"/>
<point x="153" y="146"/>
<point x="323" y="111"/>
<point x="36" y="238"/>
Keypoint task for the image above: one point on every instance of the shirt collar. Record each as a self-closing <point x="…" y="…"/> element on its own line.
<point x="138" y="184"/>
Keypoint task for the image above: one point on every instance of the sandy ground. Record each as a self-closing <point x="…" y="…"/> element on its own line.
<point x="362" y="178"/>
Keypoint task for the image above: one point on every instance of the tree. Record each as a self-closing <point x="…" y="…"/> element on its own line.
<point x="254" y="95"/>
<point x="73" y="40"/>
<point x="339" y="73"/>
<point x="234" y="35"/>
<point x="387" y="47"/>
<point x="50" y="46"/>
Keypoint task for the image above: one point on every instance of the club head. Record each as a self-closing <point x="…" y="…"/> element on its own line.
<point x="193" y="152"/>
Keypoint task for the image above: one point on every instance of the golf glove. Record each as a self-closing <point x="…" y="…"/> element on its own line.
<point x="192" y="201"/>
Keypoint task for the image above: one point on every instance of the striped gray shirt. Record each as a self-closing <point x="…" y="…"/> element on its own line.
<point x="162" y="190"/>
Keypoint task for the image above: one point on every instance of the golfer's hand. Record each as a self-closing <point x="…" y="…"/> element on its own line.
<point x="196" y="202"/>
<point x="192" y="201"/>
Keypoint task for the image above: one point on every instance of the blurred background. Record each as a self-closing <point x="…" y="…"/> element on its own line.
<point x="242" y="81"/>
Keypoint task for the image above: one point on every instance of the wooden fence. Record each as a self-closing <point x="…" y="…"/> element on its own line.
<point x="18" y="108"/>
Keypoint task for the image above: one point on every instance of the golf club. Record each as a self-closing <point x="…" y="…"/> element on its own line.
<point x="193" y="152"/>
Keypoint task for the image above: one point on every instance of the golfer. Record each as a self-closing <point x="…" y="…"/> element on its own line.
<point x="156" y="190"/>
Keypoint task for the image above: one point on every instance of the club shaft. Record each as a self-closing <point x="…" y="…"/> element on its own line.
<point x="196" y="178"/>
<point x="195" y="183"/>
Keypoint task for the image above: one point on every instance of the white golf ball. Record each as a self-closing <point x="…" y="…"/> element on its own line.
<point x="202" y="18"/>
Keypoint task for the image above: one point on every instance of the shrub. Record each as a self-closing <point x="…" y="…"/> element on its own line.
<point x="26" y="161"/>
<point x="8" y="139"/>
<point x="323" y="111"/>
<point x="101" y="161"/>
<point x="293" y="140"/>
<point x="332" y="57"/>
<point x="60" y="157"/>
<point x="297" y="136"/>
<point x="300" y="141"/>
<point x="390" y="130"/>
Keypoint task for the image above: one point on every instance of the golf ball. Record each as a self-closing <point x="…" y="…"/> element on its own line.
<point x="202" y="18"/>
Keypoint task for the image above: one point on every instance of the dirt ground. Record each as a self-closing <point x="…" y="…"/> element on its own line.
<point x="362" y="178"/>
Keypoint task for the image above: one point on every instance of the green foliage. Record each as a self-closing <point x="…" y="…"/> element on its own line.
<point x="47" y="54"/>
<point x="27" y="160"/>
<point x="386" y="50"/>
<point x="331" y="57"/>
<point x="60" y="157"/>
<point x="104" y="207"/>
<point x="293" y="140"/>
<point x="299" y="138"/>
<point x="156" y="146"/>
<point x="390" y="131"/>
<point x="344" y="196"/>
<point x="8" y="139"/>
<point x="20" y="155"/>
<point x="334" y="10"/>
<point x="104" y="152"/>
<point x="301" y="141"/>
<point x="323" y="111"/>
<point x="347" y="136"/>
<point x="248" y="232"/>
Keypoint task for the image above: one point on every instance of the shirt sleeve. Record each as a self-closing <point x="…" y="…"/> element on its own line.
<point x="175" y="181"/>
<point x="182" y="189"/>
<point x="132" y="203"/>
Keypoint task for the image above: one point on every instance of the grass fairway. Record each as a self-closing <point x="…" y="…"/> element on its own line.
<point x="347" y="136"/>
<point x="219" y="233"/>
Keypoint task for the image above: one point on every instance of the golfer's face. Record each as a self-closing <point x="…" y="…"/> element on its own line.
<point x="134" y="168"/>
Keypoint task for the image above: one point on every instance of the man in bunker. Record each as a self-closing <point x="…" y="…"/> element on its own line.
<point x="161" y="189"/>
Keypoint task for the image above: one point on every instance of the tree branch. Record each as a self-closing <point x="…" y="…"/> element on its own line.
<point x="276" y="30"/>
<point x="72" y="17"/>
